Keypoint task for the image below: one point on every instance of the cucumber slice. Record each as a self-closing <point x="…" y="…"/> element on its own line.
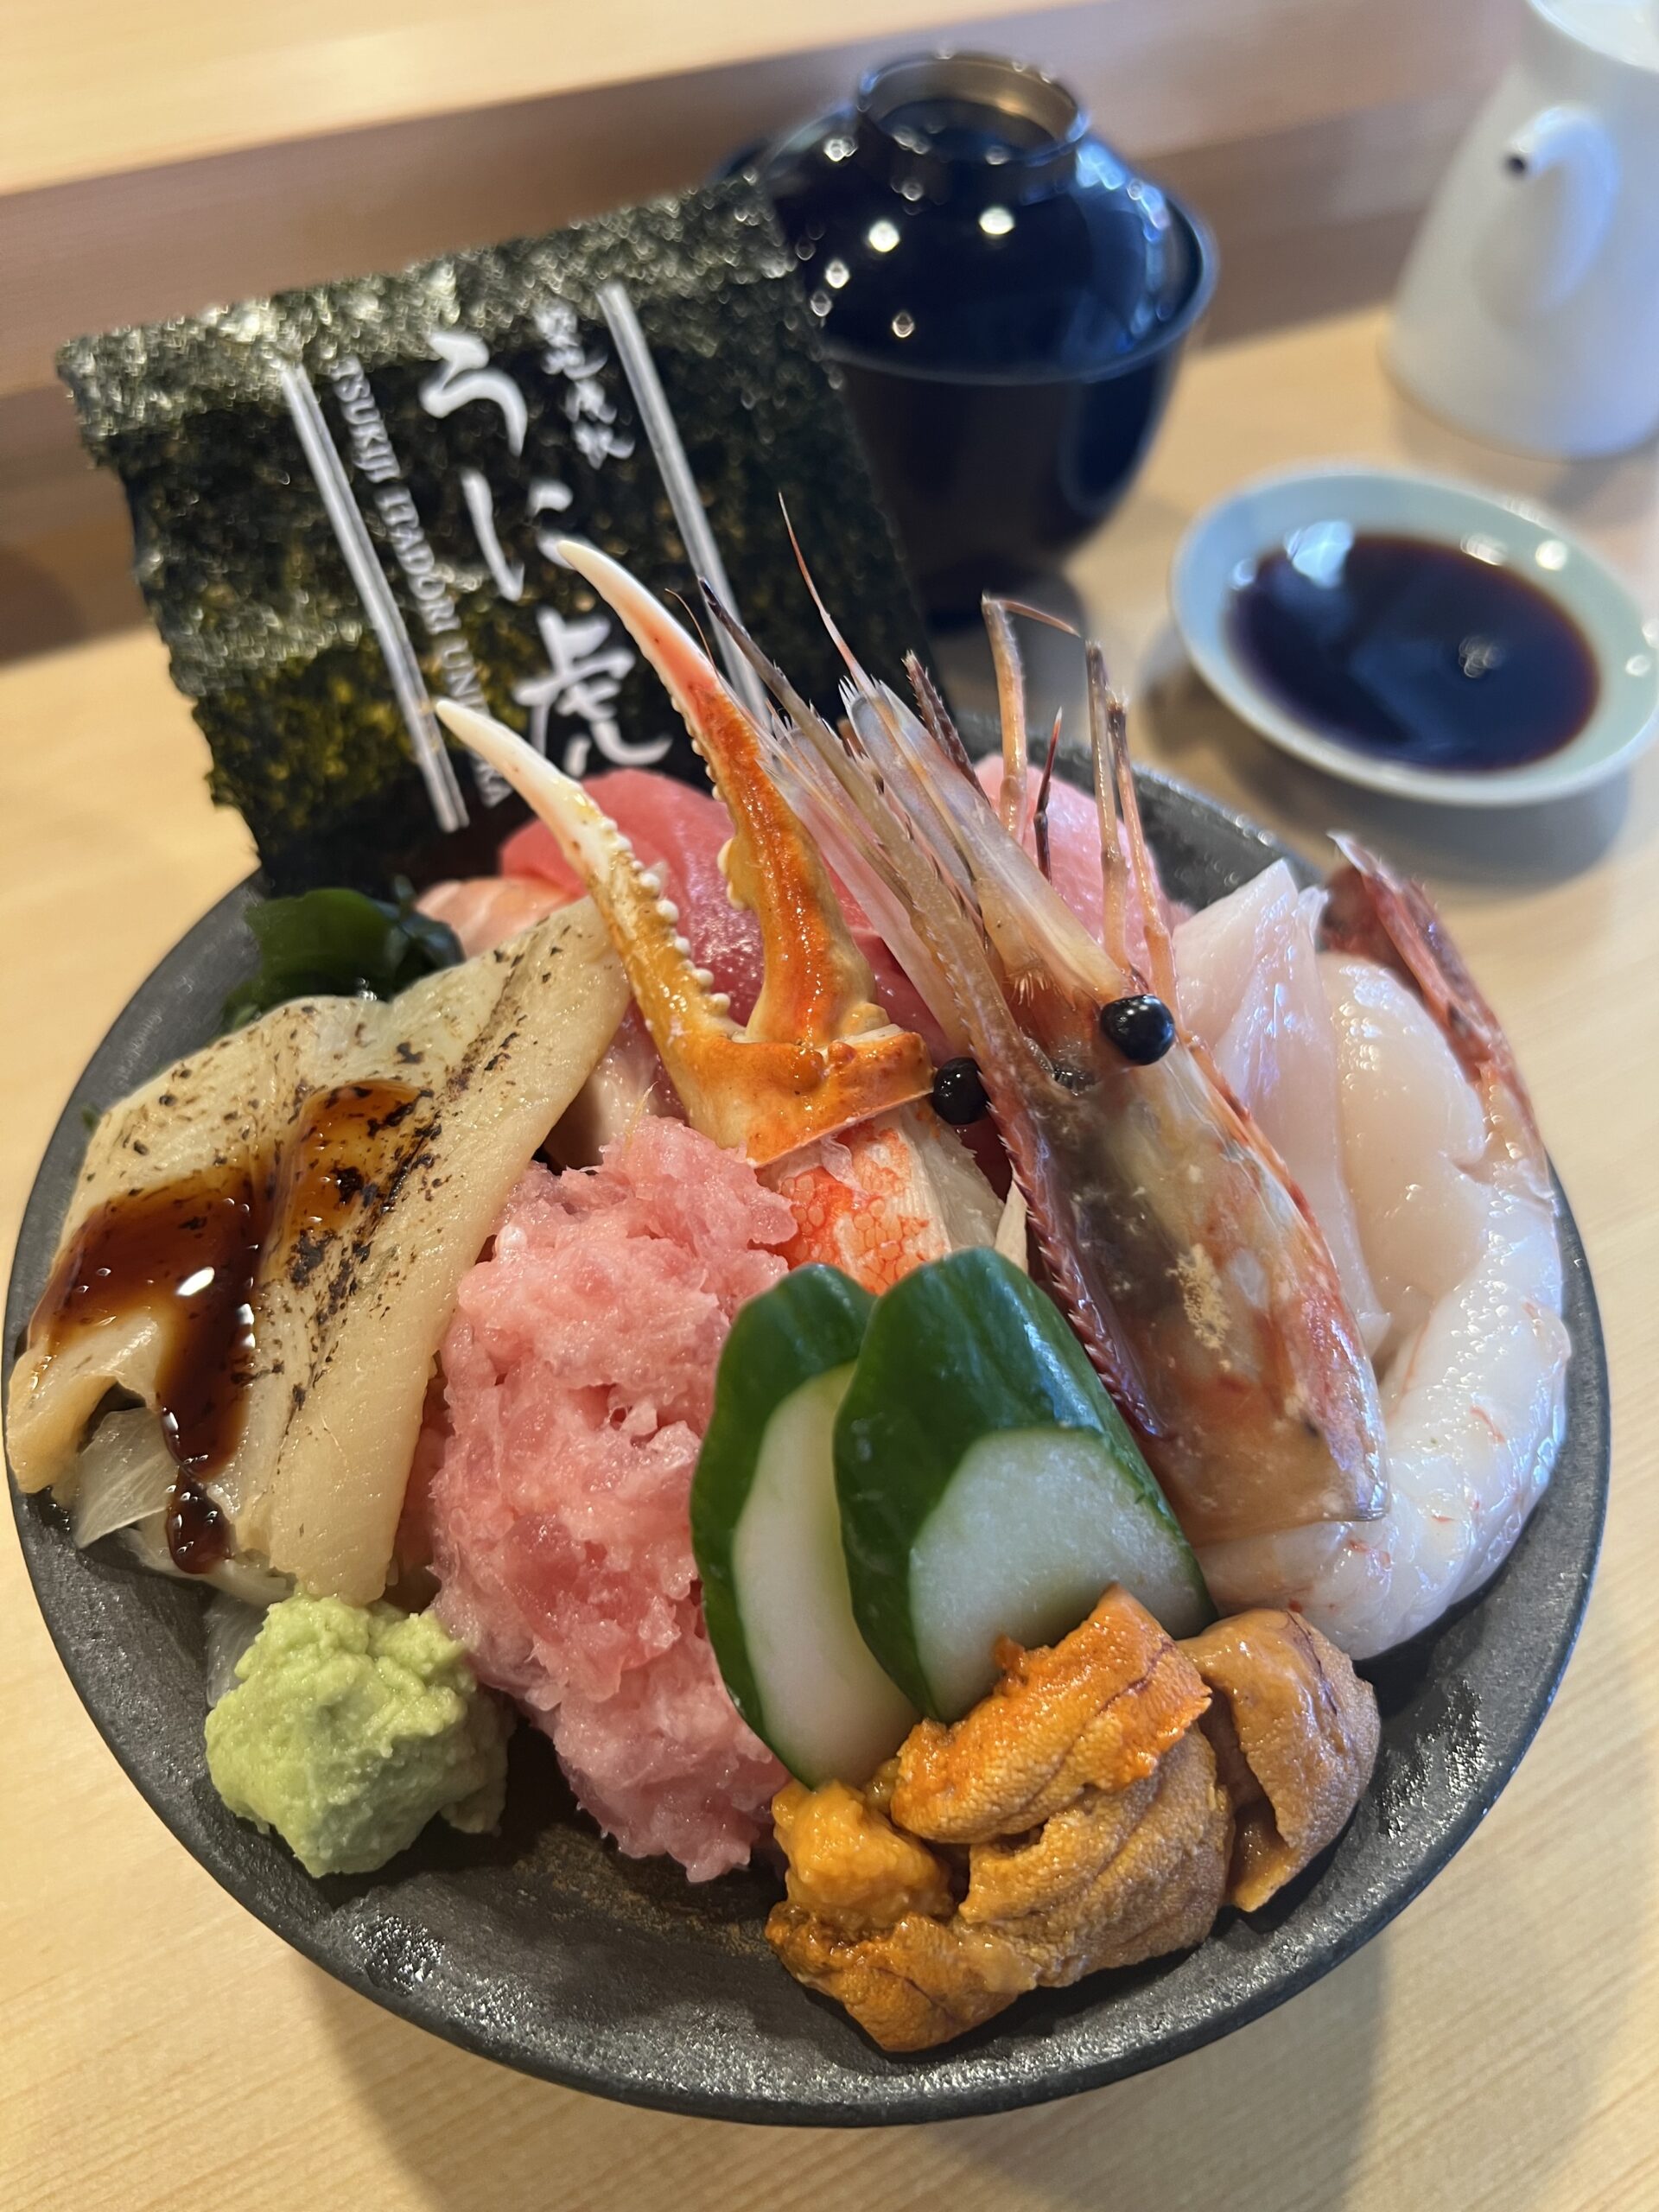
<point x="988" y="1487"/>
<point x="765" y="1529"/>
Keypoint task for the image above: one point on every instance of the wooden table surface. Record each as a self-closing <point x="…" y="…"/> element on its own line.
<point x="1498" y="2046"/>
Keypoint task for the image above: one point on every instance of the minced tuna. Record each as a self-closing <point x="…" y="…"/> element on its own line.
<point x="579" y="1378"/>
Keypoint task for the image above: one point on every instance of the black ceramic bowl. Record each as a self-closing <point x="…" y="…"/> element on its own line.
<point x="544" y="1949"/>
<point x="1007" y="301"/>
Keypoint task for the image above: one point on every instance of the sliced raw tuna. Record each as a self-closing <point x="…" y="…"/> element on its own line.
<point x="670" y="822"/>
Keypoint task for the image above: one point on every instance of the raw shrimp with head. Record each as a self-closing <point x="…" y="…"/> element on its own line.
<point x="1166" y="1227"/>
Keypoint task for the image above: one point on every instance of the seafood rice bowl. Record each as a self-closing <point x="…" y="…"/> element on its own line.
<point x="909" y="1358"/>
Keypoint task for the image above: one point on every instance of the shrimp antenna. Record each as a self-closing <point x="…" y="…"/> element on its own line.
<point x="1114" y="874"/>
<point x="1041" y="615"/>
<point x="1161" y="950"/>
<point x="690" y="613"/>
<point x="1115" y="802"/>
<point x="1040" y="820"/>
<point x="859" y="675"/>
<point x="1011" y="700"/>
<point x="1011" y="712"/>
<point x="937" y="716"/>
<point x="768" y="671"/>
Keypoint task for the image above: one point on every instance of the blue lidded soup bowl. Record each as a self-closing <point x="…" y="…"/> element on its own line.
<point x="1006" y="300"/>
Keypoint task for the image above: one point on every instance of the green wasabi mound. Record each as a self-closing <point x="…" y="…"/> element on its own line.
<point x="350" y="1726"/>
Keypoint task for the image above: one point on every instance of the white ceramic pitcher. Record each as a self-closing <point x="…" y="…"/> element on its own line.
<point x="1529" y="312"/>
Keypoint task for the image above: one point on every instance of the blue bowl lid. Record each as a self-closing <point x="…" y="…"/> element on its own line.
<point x="959" y="216"/>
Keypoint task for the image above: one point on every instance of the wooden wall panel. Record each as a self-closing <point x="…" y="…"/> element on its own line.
<point x="1309" y="132"/>
<point x="1161" y="76"/>
<point x="97" y="87"/>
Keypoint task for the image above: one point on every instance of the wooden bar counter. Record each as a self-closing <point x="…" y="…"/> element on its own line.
<point x="1498" y="2046"/>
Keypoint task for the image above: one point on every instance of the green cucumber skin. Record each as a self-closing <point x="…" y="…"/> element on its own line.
<point x="963" y="1347"/>
<point x="811" y="1321"/>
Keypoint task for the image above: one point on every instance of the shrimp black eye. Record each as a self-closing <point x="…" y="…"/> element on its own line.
<point x="1141" y="1028"/>
<point x="958" y="1094"/>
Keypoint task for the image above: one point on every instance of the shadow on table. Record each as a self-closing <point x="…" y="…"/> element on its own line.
<point x="472" y="2138"/>
<point x="1276" y="2114"/>
<point x="1593" y="495"/>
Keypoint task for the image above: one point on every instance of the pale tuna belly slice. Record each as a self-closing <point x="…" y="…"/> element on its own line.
<point x="346" y="1315"/>
<point x="484" y="911"/>
<point x="579" y="1378"/>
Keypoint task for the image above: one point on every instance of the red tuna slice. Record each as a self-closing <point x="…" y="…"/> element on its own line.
<point x="670" y="822"/>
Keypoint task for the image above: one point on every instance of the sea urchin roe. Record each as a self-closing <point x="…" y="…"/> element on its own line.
<point x="1295" y="1733"/>
<point x="1097" y="1805"/>
<point x="579" y="1379"/>
<point x="1086" y="1806"/>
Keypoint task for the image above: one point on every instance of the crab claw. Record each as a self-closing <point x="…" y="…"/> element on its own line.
<point x="817" y="1054"/>
<point x="817" y="984"/>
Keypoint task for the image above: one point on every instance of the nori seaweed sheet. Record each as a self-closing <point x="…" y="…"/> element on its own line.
<point x="246" y="581"/>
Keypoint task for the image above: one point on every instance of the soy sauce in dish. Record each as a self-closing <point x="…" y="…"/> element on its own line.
<point x="1412" y="650"/>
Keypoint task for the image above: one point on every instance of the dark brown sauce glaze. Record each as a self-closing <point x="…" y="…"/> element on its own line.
<point x="197" y="1534"/>
<point x="1413" y="651"/>
<point x="190" y="1252"/>
<point x="340" y="1165"/>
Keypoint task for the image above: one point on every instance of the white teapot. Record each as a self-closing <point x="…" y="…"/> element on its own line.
<point x="1528" y="311"/>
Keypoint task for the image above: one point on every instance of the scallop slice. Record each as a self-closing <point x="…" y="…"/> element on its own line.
<point x="1250" y="989"/>
<point x="1412" y="1129"/>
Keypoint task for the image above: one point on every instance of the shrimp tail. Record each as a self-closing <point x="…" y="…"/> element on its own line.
<point x="1371" y="911"/>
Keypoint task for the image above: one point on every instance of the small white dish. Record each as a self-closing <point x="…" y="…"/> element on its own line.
<point x="1222" y="547"/>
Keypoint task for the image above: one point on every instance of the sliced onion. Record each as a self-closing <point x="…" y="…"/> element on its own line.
<point x="242" y="1575"/>
<point x="122" y="1480"/>
<point x="123" y="1475"/>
